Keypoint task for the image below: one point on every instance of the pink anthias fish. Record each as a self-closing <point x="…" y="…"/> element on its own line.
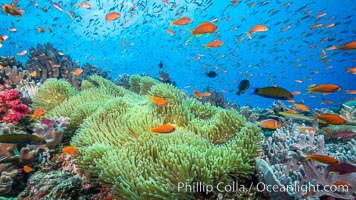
<point x="46" y="121"/>
<point x="343" y="134"/>
<point x="341" y="168"/>
<point x="57" y="6"/>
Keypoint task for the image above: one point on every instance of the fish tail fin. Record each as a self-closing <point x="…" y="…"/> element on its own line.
<point x="191" y="36"/>
<point x="308" y="91"/>
<point x="308" y="156"/>
<point x="253" y="91"/>
<point x="238" y="92"/>
<point x="249" y="35"/>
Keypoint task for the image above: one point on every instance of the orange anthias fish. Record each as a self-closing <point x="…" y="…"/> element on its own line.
<point x="325" y="88"/>
<point x="348" y="46"/>
<point x="21" y="53"/>
<point x="214" y="44"/>
<point x="199" y="95"/>
<point x="3" y="37"/>
<point x="255" y="29"/>
<point x="203" y="28"/>
<point x="302" y="107"/>
<point x="27" y="169"/>
<point x="270" y="124"/>
<point x="159" y="101"/>
<point x="70" y="150"/>
<point x="85" y="5"/>
<point x="164" y="128"/>
<point x="112" y="16"/>
<point x="322" y="159"/>
<point x="330" y="118"/>
<point x="11" y="10"/>
<point x="77" y="71"/>
<point x="351" y="70"/>
<point x="37" y="114"/>
<point x="32" y="74"/>
<point x="181" y="21"/>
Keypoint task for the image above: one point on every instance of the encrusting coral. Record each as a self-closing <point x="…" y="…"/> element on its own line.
<point x="210" y="145"/>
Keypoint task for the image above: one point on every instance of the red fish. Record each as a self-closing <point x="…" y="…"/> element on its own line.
<point x="214" y="44"/>
<point x="159" y="101"/>
<point x="270" y="124"/>
<point x="37" y="114"/>
<point x="112" y="16"/>
<point x="330" y="118"/>
<point x="342" y="168"/>
<point x="348" y="46"/>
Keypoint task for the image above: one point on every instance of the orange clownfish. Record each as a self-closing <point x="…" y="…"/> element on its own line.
<point x="164" y="128"/>
<point x="181" y="21"/>
<point x="159" y="101"/>
<point x="70" y="150"/>
<point x="77" y="71"/>
<point x="203" y="28"/>
<point x="255" y="29"/>
<point x="112" y="16"/>
<point x="214" y="44"/>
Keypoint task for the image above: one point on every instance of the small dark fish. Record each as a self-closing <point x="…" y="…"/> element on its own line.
<point x="22" y="139"/>
<point x="160" y="65"/>
<point x="211" y="74"/>
<point x="243" y="86"/>
<point x="342" y="168"/>
<point x="46" y="121"/>
<point x="274" y="93"/>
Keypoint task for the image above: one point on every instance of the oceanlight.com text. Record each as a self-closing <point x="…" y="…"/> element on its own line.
<point x="259" y="187"/>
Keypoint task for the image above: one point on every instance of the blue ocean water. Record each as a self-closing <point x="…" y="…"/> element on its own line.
<point x="139" y="40"/>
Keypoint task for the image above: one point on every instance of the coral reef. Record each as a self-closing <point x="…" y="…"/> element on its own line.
<point x="49" y="62"/>
<point x="116" y="148"/>
<point x="11" y="108"/>
<point x="283" y="165"/>
<point x="123" y="80"/>
<point x="11" y="73"/>
<point x="58" y="184"/>
<point x="349" y="113"/>
<point x="14" y="157"/>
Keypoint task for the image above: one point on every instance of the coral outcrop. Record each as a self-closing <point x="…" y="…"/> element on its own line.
<point x="283" y="165"/>
<point x="11" y="108"/>
<point x="116" y="149"/>
<point x="49" y="62"/>
<point x="11" y="73"/>
<point x="14" y="157"/>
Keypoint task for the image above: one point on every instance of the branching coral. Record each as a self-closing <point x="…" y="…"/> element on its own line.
<point x="283" y="164"/>
<point x="349" y="113"/>
<point x="11" y="74"/>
